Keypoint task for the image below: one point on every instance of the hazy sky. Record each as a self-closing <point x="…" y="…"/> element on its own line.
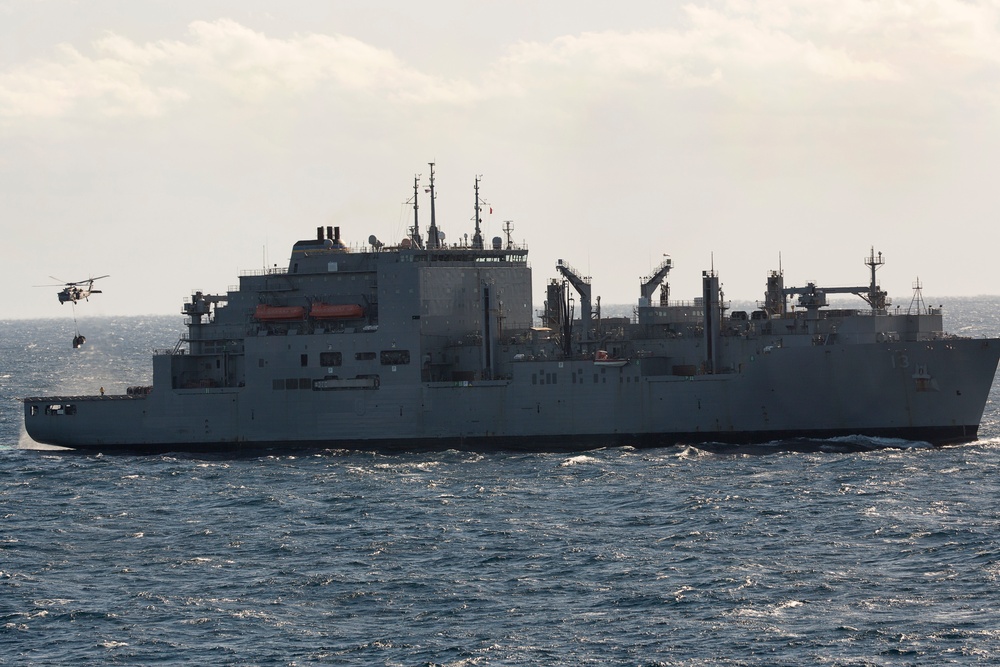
<point x="174" y="144"/>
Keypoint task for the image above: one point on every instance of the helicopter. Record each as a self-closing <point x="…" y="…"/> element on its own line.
<point x="74" y="291"/>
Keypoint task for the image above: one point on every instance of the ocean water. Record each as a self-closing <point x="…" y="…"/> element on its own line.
<point x="846" y="552"/>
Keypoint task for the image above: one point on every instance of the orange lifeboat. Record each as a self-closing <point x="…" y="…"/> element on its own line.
<point x="266" y="313"/>
<point x="601" y="358"/>
<point x="329" y="311"/>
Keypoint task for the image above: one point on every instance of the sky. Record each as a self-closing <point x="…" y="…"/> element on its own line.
<point x="175" y="144"/>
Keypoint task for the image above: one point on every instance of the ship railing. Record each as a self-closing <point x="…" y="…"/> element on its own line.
<point x="572" y="271"/>
<point x="178" y="348"/>
<point x="679" y="304"/>
<point x="273" y="271"/>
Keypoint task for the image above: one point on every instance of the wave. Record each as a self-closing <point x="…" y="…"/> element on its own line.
<point x="839" y="445"/>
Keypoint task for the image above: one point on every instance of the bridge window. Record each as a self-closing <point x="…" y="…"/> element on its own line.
<point x="291" y="383"/>
<point x="395" y="357"/>
<point x="330" y="358"/>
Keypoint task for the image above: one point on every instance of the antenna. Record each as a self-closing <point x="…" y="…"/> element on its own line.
<point x="477" y="238"/>
<point x="433" y="236"/>
<point x="918" y="298"/>
<point x="415" y="234"/>
<point x="876" y="297"/>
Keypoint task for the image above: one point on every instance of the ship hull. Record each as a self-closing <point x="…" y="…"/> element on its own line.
<point x="932" y="391"/>
<point x="781" y="440"/>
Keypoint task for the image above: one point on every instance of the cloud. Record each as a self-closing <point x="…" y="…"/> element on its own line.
<point x="56" y="89"/>
<point x="249" y="64"/>
<point x="790" y="80"/>
<point x="718" y="41"/>
<point x="814" y="42"/>
<point x="915" y="37"/>
<point x="123" y="77"/>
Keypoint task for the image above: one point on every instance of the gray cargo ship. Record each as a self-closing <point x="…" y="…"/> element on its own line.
<point x="430" y="345"/>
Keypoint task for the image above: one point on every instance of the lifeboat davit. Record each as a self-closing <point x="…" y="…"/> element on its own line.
<point x="329" y="311"/>
<point x="267" y="313"/>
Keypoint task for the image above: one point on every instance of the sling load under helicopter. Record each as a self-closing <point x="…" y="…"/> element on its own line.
<point x="73" y="292"/>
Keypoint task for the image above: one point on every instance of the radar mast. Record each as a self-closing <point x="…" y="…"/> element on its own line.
<point x="433" y="235"/>
<point x="477" y="238"/>
<point x="917" y="301"/>
<point x="415" y="232"/>
<point x="875" y="298"/>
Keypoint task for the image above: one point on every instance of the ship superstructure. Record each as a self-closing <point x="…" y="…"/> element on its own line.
<point x="426" y="344"/>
